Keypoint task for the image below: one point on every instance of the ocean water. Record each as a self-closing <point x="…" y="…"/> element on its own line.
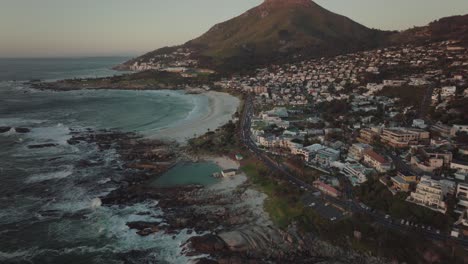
<point x="189" y="173"/>
<point x="49" y="211"/>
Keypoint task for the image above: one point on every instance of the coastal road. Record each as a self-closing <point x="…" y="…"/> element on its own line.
<point x="349" y="205"/>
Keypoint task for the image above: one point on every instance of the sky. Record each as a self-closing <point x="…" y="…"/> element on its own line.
<point x="69" y="28"/>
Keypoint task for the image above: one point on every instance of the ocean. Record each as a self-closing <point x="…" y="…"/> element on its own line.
<point x="49" y="211"/>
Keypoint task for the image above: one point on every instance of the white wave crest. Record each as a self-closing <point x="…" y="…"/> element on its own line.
<point x="50" y="176"/>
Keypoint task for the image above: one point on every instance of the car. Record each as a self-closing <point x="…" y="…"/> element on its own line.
<point x="312" y="204"/>
<point x="327" y="204"/>
<point x="333" y="219"/>
<point x="438" y="231"/>
<point x="387" y="216"/>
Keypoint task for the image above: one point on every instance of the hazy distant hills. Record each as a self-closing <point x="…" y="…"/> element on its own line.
<point x="286" y="30"/>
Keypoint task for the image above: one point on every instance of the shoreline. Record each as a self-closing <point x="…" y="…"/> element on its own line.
<point x="221" y="108"/>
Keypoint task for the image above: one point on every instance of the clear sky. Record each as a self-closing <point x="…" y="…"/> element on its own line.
<point x="57" y="28"/>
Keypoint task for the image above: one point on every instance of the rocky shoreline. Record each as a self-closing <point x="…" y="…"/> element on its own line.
<point x="227" y="227"/>
<point x="226" y="221"/>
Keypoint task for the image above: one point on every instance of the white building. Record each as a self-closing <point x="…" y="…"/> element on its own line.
<point x="429" y="194"/>
<point x="462" y="196"/>
<point x="458" y="128"/>
<point x="356" y="173"/>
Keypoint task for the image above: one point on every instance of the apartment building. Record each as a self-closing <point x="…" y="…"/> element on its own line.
<point x="356" y="173"/>
<point x="377" y="161"/>
<point x="462" y="196"/>
<point x="357" y="150"/>
<point x="429" y="194"/>
<point x="402" y="138"/>
<point x="367" y="136"/>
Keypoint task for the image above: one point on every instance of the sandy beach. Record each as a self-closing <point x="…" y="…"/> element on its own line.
<point x="221" y="108"/>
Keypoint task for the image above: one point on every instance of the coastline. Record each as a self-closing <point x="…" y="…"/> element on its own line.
<point x="221" y="107"/>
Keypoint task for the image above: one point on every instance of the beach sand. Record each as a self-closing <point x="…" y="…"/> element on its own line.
<point x="222" y="107"/>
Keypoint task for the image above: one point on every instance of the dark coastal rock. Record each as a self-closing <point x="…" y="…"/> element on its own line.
<point x="22" y="130"/>
<point x="39" y="146"/>
<point x="76" y="140"/>
<point x="4" y="129"/>
<point x="145" y="228"/>
<point x="207" y="244"/>
<point x="205" y="261"/>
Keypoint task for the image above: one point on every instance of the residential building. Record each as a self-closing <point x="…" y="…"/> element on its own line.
<point x="407" y="176"/>
<point x="326" y="156"/>
<point x="400" y="184"/>
<point x="419" y="123"/>
<point x="458" y="129"/>
<point x="462" y="196"/>
<point x="377" y="161"/>
<point x="429" y="194"/>
<point x="356" y="172"/>
<point x="367" y="136"/>
<point x="357" y="150"/>
<point x="460" y="166"/>
<point x="402" y="138"/>
<point x="442" y="129"/>
<point x="326" y="189"/>
<point x="309" y="152"/>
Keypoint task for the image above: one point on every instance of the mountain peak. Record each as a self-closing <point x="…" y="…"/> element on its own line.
<point x="305" y="3"/>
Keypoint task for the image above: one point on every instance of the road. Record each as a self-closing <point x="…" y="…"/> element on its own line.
<point x="350" y="204"/>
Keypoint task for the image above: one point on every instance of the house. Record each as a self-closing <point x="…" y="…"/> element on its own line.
<point x="326" y="189"/>
<point x="377" y="161"/>
<point x="357" y="150"/>
<point x="429" y="194"/>
<point x="229" y="173"/>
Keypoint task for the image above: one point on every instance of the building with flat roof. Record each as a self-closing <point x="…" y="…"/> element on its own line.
<point x="356" y="173"/>
<point x="462" y="196"/>
<point x="403" y="138"/>
<point x="229" y="173"/>
<point x="367" y="136"/>
<point x="400" y="184"/>
<point x="357" y="150"/>
<point x="429" y="194"/>
<point x="326" y="156"/>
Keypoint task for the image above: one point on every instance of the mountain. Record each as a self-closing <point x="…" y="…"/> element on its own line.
<point x="287" y="30"/>
<point x="276" y="30"/>
<point x="448" y="28"/>
<point x="279" y="27"/>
